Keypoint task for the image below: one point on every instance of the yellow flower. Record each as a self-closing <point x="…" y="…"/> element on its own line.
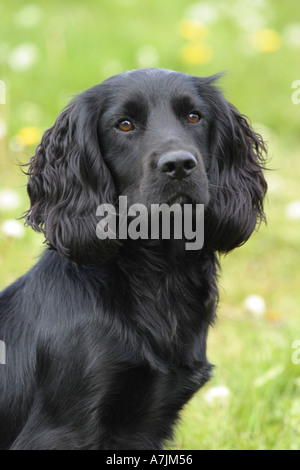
<point x="196" y="54"/>
<point x="191" y="30"/>
<point x="267" y="40"/>
<point x="29" y="136"/>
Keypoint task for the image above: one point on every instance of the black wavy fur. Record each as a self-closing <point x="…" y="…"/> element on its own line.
<point x="106" y="340"/>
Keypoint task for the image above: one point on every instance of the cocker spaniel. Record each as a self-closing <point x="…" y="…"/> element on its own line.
<point x="106" y="338"/>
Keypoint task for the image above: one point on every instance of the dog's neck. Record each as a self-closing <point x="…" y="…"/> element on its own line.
<point x="178" y="289"/>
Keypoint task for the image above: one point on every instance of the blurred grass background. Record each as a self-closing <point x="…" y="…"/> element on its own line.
<point x="50" y="51"/>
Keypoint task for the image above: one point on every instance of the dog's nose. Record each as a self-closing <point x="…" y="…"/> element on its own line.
<point x="177" y="164"/>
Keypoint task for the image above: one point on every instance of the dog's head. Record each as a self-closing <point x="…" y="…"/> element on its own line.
<point x="155" y="136"/>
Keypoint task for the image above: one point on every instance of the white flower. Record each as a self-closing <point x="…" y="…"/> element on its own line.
<point x="3" y="128"/>
<point x="251" y="15"/>
<point x="276" y="184"/>
<point x="147" y="56"/>
<point x="9" y="200"/>
<point x="291" y="34"/>
<point x="12" y="228"/>
<point x="28" y="16"/>
<point x="219" y="394"/>
<point x="23" y="57"/>
<point x="255" y="305"/>
<point x="292" y="210"/>
<point x="202" y="12"/>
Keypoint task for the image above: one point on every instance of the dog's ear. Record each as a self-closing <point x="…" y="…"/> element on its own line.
<point x="68" y="180"/>
<point x="237" y="184"/>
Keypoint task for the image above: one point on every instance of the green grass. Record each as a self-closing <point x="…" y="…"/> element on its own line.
<point x="79" y="44"/>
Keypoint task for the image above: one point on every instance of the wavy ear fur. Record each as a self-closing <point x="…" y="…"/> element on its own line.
<point x="68" y="180"/>
<point x="237" y="184"/>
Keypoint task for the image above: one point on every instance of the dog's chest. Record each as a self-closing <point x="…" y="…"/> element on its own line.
<point x="171" y="315"/>
<point x="149" y="401"/>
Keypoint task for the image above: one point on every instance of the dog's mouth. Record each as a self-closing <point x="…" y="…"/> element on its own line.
<point x="180" y="199"/>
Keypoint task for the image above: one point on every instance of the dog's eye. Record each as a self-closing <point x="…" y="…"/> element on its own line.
<point x="193" y="118"/>
<point x="125" y="125"/>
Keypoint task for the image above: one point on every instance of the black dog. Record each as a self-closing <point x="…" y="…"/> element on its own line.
<point x="106" y="340"/>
